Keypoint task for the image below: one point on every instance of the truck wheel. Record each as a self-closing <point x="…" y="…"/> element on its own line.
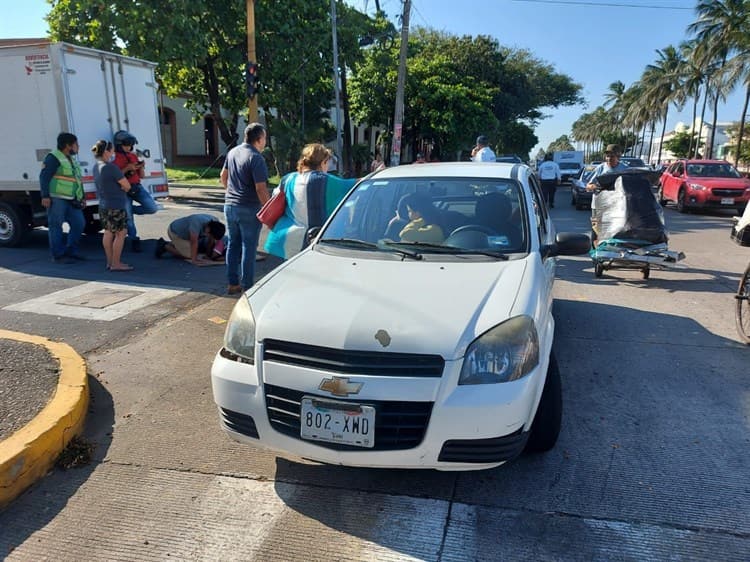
<point x="12" y="228"/>
<point x="93" y="225"/>
<point x="548" y="418"/>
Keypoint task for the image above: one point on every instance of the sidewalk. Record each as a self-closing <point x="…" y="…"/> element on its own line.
<point x="44" y="398"/>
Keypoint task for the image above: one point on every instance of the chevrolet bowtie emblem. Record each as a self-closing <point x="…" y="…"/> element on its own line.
<point x="340" y="386"/>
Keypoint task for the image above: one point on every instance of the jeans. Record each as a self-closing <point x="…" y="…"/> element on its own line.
<point x="147" y="206"/>
<point x="61" y="211"/>
<point x="243" y="229"/>
<point x="548" y="190"/>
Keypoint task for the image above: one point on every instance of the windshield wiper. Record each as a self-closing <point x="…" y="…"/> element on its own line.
<point x="439" y="248"/>
<point x="392" y="246"/>
<point x="355" y="243"/>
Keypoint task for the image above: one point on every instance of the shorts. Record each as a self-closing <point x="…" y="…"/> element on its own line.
<point x="113" y="220"/>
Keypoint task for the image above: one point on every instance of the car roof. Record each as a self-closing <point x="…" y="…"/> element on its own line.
<point x="688" y="161"/>
<point x="455" y="169"/>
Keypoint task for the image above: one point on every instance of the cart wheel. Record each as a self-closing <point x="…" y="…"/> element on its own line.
<point x="598" y="269"/>
<point x="646" y="272"/>
<point x="742" y="310"/>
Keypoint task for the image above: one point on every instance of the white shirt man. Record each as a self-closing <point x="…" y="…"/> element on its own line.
<point x="549" y="171"/>
<point x="482" y="152"/>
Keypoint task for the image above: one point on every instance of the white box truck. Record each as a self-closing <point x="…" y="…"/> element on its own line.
<point x="49" y="88"/>
<point x="570" y="162"/>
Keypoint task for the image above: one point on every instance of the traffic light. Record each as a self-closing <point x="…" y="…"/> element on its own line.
<point x="251" y="79"/>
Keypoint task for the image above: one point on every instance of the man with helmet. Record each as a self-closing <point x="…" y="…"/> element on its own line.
<point x="127" y="160"/>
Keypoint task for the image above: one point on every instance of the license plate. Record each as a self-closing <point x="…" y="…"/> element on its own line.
<point x="337" y="422"/>
<point x="727" y="201"/>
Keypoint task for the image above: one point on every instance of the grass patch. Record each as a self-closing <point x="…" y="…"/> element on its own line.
<point x="76" y="454"/>
<point x="209" y="177"/>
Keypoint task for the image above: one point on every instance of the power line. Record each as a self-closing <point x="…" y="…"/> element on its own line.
<point x="604" y="4"/>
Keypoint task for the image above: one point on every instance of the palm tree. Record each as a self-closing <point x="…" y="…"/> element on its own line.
<point x="662" y="82"/>
<point x="721" y="29"/>
<point x="693" y="81"/>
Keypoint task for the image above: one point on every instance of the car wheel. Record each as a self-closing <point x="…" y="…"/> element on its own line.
<point x="598" y="269"/>
<point x="572" y="198"/>
<point x="12" y="228"/>
<point x="681" y="207"/>
<point x="660" y="196"/>
<point x="546" y="425"/>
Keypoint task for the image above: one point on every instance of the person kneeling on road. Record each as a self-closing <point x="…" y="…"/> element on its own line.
<point x="185" y="234"/>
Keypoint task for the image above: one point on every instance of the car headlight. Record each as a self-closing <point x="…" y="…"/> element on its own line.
<point x="239" y="338"/>
<point x="507" y="352"/>
<point x="698" y="187"/>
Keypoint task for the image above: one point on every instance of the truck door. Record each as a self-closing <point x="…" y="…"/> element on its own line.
<point x="137" y="100"/>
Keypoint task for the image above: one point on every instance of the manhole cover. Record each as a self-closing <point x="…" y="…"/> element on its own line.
<point x="101" y="298"/>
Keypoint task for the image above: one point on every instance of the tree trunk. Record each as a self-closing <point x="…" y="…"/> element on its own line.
<point x="346" y="158"/>
<point x="703" y="116"/>
<point x="692" y="124"/>
<point x="742" y="126"/>
<point x="661" y="140"/>
<point x="716" y="110"/>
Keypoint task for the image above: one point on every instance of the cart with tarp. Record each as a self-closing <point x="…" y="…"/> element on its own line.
<point x="629" y="223"/>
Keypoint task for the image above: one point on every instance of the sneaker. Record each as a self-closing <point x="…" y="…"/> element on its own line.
<point x="135" y="245"/>
<point x="160" y="248"/>
<point x="234" y="290"/>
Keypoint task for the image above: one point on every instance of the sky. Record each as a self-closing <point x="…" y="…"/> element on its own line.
<point x="595" y="42"/>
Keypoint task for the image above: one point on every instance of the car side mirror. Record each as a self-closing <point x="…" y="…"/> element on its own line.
<point x="567" y="244"/>
<point x="312" y="233"/>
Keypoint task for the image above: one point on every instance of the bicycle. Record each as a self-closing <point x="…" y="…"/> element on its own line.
<point x="742" y="310"/>
<point x="742" y="298"/>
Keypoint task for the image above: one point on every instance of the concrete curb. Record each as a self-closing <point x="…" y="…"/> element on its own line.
<point x="30" y="452"/>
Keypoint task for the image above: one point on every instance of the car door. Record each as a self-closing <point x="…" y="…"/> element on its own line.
<point x="673" y="181"/>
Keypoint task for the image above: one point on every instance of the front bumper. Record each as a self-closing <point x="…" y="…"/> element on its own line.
<point x="708" y="200"/>
<point x="465" y="427"/>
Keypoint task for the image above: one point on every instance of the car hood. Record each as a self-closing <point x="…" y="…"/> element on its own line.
<point x="345" y="302"/>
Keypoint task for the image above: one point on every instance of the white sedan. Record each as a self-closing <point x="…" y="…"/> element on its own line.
<point x="414" y="332"/>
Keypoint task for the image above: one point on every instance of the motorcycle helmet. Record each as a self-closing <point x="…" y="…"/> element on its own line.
<point x="124" y="137"/>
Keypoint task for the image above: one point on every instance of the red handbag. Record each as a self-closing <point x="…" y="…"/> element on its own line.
<point x="272" y="210"/>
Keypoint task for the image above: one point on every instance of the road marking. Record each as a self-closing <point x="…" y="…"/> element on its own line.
<point x="97" y="300"/>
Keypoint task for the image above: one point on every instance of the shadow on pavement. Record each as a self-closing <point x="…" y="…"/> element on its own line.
<point x="45" y="500"/>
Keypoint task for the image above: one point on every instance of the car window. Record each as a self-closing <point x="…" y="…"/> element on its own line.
<point x="464" y="213"/>
<point x="713" y="170"/>
<point x="678" y="169"/>
<point x="540" y="208"/>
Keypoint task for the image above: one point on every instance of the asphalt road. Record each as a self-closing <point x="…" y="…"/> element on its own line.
<point x="652" y="463"/>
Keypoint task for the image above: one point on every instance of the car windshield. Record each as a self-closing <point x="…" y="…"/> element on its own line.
<point x="713" y="170"/>
<point x="634" y="162"/>
<point x="510" y="159"/>
<point x="569" y="166"/>
<point x="439" y="216"/>
<point x="586" y="174"/>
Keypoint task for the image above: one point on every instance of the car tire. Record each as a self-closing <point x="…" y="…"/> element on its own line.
<point x="660" y="196"/>
<point x="681" y="206"/>
<point x="548" y="419"/>
<point x="12" y="226"/>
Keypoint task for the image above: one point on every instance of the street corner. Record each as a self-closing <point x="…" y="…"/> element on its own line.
<point x="28" y="453"/>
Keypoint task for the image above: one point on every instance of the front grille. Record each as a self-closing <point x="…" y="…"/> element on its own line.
<point x="496" y="449"/>
<point x="376" y="363"/>
<point x="240" y="423"/>
<point x="398" y="425"/>
<point x="727" y="192"/>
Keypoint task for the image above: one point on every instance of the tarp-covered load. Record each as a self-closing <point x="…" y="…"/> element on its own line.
<point x="627" y="209"/>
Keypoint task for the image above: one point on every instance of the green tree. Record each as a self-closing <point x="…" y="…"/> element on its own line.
<point x="459" y="87"/>
<point x="681" y="144"/>
<point x="201" y="48"/>
<point x="560" y="143"/>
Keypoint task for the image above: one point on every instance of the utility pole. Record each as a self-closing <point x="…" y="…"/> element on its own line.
<point x="399" y="115"/>
<point x="336" y="88"/>
<point x="252" y="102"/>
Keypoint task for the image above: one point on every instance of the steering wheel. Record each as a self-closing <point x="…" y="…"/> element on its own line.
<point x="474" y="228"/>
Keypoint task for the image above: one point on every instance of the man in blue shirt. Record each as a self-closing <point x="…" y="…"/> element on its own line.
<point x="245" y="178"/>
